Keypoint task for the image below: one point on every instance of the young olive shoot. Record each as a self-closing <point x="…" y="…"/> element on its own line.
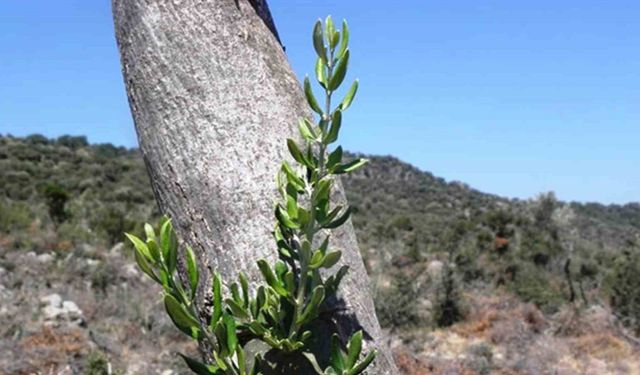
<point x="280" y="311"/>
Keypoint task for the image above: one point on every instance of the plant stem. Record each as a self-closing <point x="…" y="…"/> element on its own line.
<point x="312" y="230"/>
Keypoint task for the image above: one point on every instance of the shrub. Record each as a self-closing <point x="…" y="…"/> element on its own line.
<point x="532" y="284"/>
<point x="14" y="217"/>
<point x="73" y="142"/>
<point x="97" y="364"/>
<point x="448" y="308"/>
<point x="56" y="198"/>
<point x="625" y="290"/>
<point x="396" y="306"/>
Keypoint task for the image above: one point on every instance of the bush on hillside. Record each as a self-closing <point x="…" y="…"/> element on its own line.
<point x="625" y="290"/>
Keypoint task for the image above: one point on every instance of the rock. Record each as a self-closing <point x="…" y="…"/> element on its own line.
<point x="131" y="271"/>
<point x="92" y="262"/>
<point x="117" y="248"/>
<point x="167" y="372"/>
<point x="434" y="268"/>
<point x="52" y="300"/>
<point x="57" y="311"/>
<point x="30" y="254"/>
<point x="44" y="258"/>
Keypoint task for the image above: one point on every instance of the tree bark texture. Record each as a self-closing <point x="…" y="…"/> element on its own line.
<point x="213" y="99"/>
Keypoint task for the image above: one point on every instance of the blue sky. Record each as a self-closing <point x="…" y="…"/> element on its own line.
<point x="511" y="97"/>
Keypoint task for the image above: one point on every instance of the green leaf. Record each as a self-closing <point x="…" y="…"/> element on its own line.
<point x="148" y="230"/>
<point x="336" y="121"/>
<point x="199" y="367"/>
<point x="292" y="208"/>
<point x="348" y="98"/>
<point x="165" y="238"/>
<point x="311" y="310"/>
<point x="295" y="152"/>
<point x="242" y="363"/>
<point x="330" y="29"/>
<point x="303" y="217"/>
<point x="237" y="310"/>
<point x="244" y="284"/>
<point x="331" y="259"/>
<point x="257" y="365"/>
<point x="316" y="260"/>
<point x="290" y="282"/>
<point x="192" y="271"/>
<point x="335" y="39"/>
<point x="284" y="219"/>
<point x="181" y="318"/>
<point x="350" y="166"/>
<point x="305" y="250"/>
<point x="339" y="221"/>
<point x="143" y="264"/>
<point x="354" y="348"/>
<point x="219" y="360"/>
<point x="306" y="130"/>
<point x="311" y="99"/>
<point x="360" y="367"/>
<point x="345" y="39"/>
<point x="292" y="176"/>
<point x="154" y="250"/>
<point x="217" y="300"/>
<point x="325" y="245"/>
<point x="232" y="339"/>
<point x="336" y="357"/>
<point x="323" y="189"/>
<point x="334" y="158"/>
<point x="139" y="245"/>
<point x="340" y="72"/>
<point x="257" y="328"/>
<point x="172" y="259"/>
<point x="318" y="41"/>
<point x="321" y="73"/>
<point x="270" y="278"/>
<point x="332" y="215"/>
<point x="314" y="362"/>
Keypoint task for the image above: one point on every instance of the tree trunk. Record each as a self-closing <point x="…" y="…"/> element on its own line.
<point x="213" y="99"/>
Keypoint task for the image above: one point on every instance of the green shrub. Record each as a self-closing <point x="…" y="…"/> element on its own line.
<point x="15" y="217"/>
<point x="625" y="289"/>
<point x="97" y="364"/>
<point x="73" y="142"/>
<point x="396" y="306"/>
<point x="448" y="309"/>
<point x="532" y="284"/>
<point x="56" y="197"/>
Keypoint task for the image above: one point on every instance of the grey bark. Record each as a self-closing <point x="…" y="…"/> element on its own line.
<point x="213" y="99"/>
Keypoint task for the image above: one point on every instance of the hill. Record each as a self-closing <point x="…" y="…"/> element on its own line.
<point x="441" y="254"/>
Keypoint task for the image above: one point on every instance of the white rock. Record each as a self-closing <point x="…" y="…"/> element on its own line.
<point x="434" y="268"/>
<point x="117" y="248"/>
<point x="44" y="258"/>
<point x="52" y="300"/>
<point x="131" y="271"/>
<point x="57" y="311"/>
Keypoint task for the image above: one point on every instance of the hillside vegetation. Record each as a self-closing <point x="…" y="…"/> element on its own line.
<point x="464" y="280"/>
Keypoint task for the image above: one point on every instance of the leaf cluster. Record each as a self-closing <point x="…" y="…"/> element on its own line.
<point x="282" y="310"/>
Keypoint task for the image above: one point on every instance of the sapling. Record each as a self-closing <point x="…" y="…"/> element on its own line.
<point x="280" y="312"/>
